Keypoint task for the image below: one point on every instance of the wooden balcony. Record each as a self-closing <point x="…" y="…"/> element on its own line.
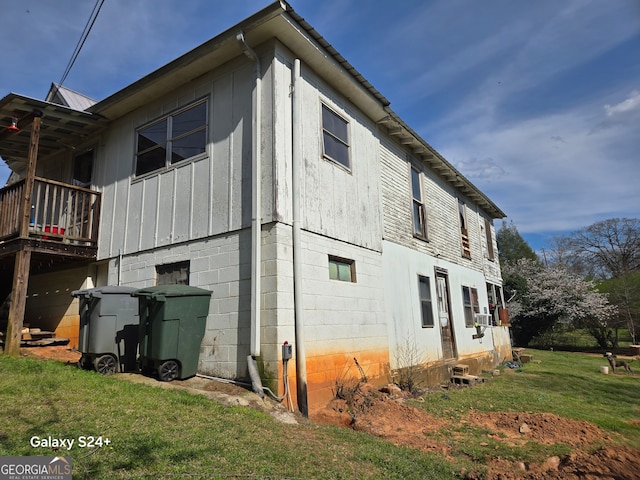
<point x="64" y="218"/>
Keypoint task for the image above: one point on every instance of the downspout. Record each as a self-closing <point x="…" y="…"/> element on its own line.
<point x="256" y="209"/>
<point x="256" y="197"/>
<point x="296" y="133"/>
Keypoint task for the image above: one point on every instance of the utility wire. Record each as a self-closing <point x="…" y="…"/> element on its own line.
<point x="85" y="33"/>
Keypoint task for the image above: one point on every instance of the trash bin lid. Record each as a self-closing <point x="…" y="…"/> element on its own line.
<point x="163" y="291"/>
<point x="98" y="292"/>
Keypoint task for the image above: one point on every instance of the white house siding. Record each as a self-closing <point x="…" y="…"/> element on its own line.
<point x="339" y="204"/>
<point x="406" y="257"/>
<point x="402" y="266"/>
<point x="207" y="195"/>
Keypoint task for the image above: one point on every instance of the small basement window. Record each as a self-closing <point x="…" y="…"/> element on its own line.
<point x="342" y="269"/>
<point x="173" y="274"/>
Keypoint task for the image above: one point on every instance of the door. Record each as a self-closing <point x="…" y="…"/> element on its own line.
<point x="444" y="316"/>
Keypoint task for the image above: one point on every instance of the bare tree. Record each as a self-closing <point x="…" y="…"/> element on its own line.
<point x="611" y="246"/>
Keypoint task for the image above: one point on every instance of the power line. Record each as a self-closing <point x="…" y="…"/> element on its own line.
<point x="85" y="33"/>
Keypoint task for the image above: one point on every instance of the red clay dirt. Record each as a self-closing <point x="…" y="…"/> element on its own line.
<point x="386" y="414"/>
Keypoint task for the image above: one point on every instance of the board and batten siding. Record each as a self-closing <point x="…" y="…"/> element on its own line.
<point x="338" y="203"/>
<point x="199" y="197"/>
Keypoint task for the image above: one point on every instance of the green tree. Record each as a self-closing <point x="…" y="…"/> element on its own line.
<point x="511" y="246"/>
<point x="624" y="292"/>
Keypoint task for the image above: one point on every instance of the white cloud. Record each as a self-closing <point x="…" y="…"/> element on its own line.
<point x="556" y="175"/>
<point x="630" y="105"/>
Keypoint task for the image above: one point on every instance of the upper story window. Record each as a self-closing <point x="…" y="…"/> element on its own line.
<point x="335" y="137"/>
<point x="464" y="230"/>
<point x="487" y="231"/>
<point x="419" y="212"/>
<point x="172" y="138"/>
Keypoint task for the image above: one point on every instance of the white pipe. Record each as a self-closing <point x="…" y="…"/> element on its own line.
<point x="256" y="198"/>
<point x="296" y="133"/>
<point x="119" y="266"/>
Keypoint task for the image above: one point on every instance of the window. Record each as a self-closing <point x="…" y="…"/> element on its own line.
<point x="464" y="231"/>
<point x="171" y="139"/>
<point x="471" y="305"/>
<point x="487" y="231"/>
<point x="419" y="214"/>
<point x="342" y="269"/>
<point x="335" y="137"/>
<point x="83" y="169"/>
<point x="426" y="307"/>
<point x="173" y="274"/>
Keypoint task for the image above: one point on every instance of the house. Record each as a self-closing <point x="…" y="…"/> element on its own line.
<point x="262" y="166"/>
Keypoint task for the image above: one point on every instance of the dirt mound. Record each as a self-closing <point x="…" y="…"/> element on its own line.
<point x="385" y="414"/>
<point x="519" y="428"/>
<point x="606" y="463"/>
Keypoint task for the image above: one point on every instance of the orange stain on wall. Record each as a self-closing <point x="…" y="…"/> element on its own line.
<point x="327" y="371"/>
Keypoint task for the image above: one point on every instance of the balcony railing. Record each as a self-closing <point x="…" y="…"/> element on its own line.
<point x="59" y="212"/>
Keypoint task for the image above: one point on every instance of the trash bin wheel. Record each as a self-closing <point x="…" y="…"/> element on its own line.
<point x="168" y="371"/>
<point x="85" y="363"/>
<point x="105" y="364"/>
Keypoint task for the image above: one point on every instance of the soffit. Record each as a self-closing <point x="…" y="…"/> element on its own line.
<point x="61" y="128"/>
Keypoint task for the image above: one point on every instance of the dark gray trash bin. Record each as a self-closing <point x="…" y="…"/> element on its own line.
<point x="109" y="329"/>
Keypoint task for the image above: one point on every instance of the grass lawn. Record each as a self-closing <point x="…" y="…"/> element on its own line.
<point x="160" y="433"/>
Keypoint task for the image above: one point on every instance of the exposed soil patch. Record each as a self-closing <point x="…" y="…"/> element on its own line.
<point x="62" y="354"/>
<point x="386" y="414"/>
<point x="519" y="428"/>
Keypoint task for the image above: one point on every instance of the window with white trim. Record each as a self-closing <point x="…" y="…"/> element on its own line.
<point x="419" y="213"/>
<point x="471" y="305"/>
<point x="335" y="137"/>
<point x="172" y="138"/>
<point x="426" y="305"/>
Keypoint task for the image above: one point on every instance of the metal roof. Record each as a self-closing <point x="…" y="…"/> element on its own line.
<point x="69" y="98"/>
<point x="61" y="127"/>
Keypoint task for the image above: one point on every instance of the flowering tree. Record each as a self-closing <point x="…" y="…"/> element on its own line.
<point x="546" y="296"/>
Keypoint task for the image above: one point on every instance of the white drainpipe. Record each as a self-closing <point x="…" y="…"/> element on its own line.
<point x="296" y="133"/>
<point x="256" y="199"/>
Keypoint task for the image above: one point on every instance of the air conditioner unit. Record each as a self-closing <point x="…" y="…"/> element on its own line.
<point x="483" y="319"/>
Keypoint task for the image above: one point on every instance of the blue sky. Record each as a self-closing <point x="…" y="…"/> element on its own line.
<point x="537" y="103"/>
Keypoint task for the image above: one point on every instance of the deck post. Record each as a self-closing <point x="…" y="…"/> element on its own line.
<point x="25" y="217"/>
<point x="18" y="303"/>
<point x="23" y="257"/>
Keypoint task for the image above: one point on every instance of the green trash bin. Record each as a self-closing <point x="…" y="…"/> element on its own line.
<point x="172" y="323"/>
<point x="109" y="326"/>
